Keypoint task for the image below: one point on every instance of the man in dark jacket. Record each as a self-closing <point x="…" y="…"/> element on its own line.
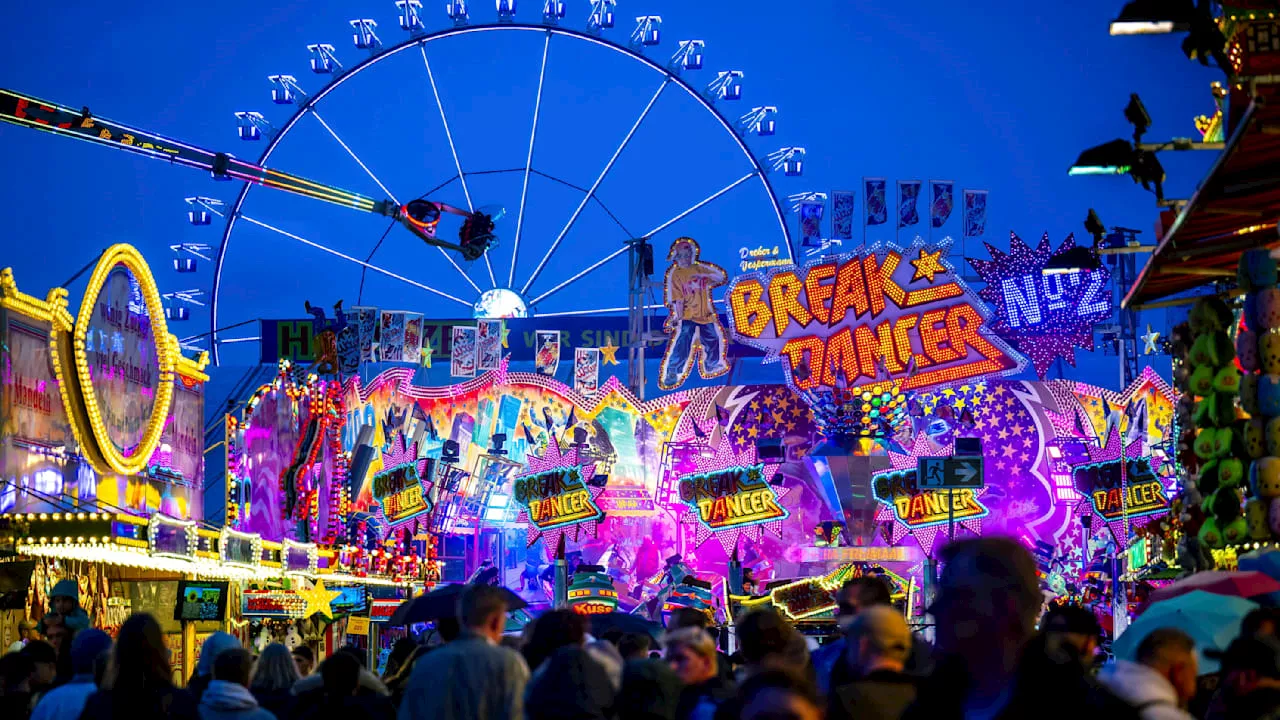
<point x="877" y="643"/>
<point x="1251" y="679"/>
<point x="989" y="667"/>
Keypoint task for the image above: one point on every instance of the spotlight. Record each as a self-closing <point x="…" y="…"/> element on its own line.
<point x="449" y="453"/>
<point x="776" y="480"/>
<point x="1154" y="17"/>
<point x="1113" y="158"/>
<point x="1072" y="261"/>
<point x="769" y="449"/>
<point x="1136" y="113"/>
<point x="496" y="444"/>
<point x="1093" y="225"/>
<point x="598" y="480"/>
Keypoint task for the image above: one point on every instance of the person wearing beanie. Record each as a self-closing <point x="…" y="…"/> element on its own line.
<point x="213" y="646"/>
<point x="64" y="601"/>
<point x="66" y="702"/>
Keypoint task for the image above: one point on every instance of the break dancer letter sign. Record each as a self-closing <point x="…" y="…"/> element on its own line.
<point x="691" y="322"/>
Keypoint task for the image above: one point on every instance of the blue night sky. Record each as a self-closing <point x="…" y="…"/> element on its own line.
<point x="996" y="95"/>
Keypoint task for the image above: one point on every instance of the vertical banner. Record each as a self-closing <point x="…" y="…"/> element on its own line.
<point x="463" y="357"/>
<point x="943" y="200"/>
<point x="489" y="344"/>
<point x="412" y="337"/>
<point x="348" y="346"/>
<point x="908" y="197"/>
<point x="586" y="370"/>
<point x="975" y="213"/>
<point x="811" y="223"/>
<point x="842" y="202"/>
<point x="547" y="358"/>
<point x="365" y="320"/>
<point x="876" y="209"/>
<point x="391" y="337"/>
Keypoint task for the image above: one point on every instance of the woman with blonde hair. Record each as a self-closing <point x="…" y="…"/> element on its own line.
<point x="273" y="679"/>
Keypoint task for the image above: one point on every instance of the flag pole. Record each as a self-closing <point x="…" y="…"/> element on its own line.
<point x="931" y="201"/>
<point x="865" y="210"/>
<point x="897" y="223"/>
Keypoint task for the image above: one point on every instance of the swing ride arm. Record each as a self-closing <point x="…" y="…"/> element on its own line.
<point x="419" y="216"/>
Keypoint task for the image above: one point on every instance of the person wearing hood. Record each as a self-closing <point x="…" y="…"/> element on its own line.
<point x="368" y="682"/>
<point x="1162" y="681"/>
<point x="214" y="645"/>
<point x="228" y="696"/>
<point x="64" y="602"/>
<point x="66" y="702"/>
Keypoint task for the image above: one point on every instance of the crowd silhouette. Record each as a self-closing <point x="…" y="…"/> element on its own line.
<point x="997" y="656"/>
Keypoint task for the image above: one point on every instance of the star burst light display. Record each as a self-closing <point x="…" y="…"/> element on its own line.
<point x="1045" y="316"/>
<point x="556" y="459"/>
<point x="875" y="410"/>
<point x="925" y="533"/>
<point x="723" y="457"/>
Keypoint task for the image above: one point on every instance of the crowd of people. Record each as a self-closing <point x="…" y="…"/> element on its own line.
<point x="996" y="657"/>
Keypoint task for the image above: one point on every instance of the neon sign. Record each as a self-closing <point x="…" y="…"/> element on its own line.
<point x="858" y="316"/>
<point x="1045" y="312"/>
<point x="272" y="603"/>
<point x="916" y="508"/>
<point x="732" y="498"/>
<point x="1142" y="493"/>
<point x="399" y="489"/>
<point x="556" y="498"/>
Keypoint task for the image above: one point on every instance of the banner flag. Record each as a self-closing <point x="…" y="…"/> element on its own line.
<point x="908" y="195"/>
<point x="463" y="354"/>
<point x="366" y="321"/>
<point x="391" y="336"/>
<point x="413" y="325"/>
<point x="489" y="344"/>
<point x="943" y="200"/>
<point x="547" y="356"/>
<point x="842" y="202"/>
<point x="975" y="213"/>
<point x="876" y="209"/>
<point x="586" y="370"/>
<point x="811" y="223"/>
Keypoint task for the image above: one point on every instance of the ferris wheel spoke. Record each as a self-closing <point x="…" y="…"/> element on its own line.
<point x="579" y="276"/>
<point x="357" y="261"/>
<point x="528" y="163"/>
<point x="353" y="155"/>
<point x="596" y="185"/>
<point x="705" y="201"/>
<point x="597" y="311"/>
<point x="453" y="148"/>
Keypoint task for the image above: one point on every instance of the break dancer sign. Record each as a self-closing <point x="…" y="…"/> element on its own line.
<point x="883" y="314"/>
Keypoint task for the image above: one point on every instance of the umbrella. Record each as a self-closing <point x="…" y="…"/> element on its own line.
<point x="439" y="603"/>
<point x="623" y="622"/>
<point x="1267" y="562"/>
<point x="1213" y="621"/>
<point x="1219" y="582"/>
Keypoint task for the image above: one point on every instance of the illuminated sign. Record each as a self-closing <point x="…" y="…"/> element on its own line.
<point x="399" y="489"/>
<point x="1141" y="493"/>
<point x="803" y="599"/>
<point x="855" y="317"/>
<point x="592" y="608"/>
<point x="1045" y="304"/>
<point x="115" y="362"/>
<point x="918" y="508"/>
<point x="732" y="498"/>
<point x="272" y="603"/>
<point x="381" y="610"/>
<point x="556" y="498"/>
<point x="761" y="258"/>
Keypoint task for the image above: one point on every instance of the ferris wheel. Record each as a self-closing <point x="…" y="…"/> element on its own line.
<point x="527" y="264"/>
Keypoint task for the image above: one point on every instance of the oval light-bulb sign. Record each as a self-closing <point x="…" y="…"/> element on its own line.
<point x="124" y="364"/>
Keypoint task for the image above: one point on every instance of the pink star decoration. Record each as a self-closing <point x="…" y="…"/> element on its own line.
<point x="555" y="459"/>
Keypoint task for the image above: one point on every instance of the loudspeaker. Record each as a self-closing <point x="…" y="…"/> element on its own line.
<point x="598" y="481"/>
<point x="968" y="447"/>
<point x="770" y="449"/>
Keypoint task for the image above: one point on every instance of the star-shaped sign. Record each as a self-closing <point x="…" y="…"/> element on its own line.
<point x="318" y="600"/>
<point x="505" y="333"/>
<point x="425" y="360"/>
<point x="1149" y="341"/>
<point x="609" y="352"/>
<point x="927" y="265"/>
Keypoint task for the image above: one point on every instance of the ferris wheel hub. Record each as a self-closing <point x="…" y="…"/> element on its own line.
<point x="500" y="304"/>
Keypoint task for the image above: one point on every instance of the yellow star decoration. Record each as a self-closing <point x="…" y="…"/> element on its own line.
<point x="927" y="265"/>
<point x="608" y="352"/>
<point x="505" y="333"/>
<point x="426" y="356"/>
<point x="318" y="599"/>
